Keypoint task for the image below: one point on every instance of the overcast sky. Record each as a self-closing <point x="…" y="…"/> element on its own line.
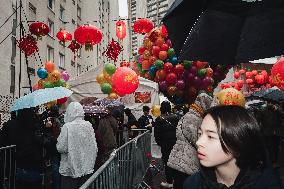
<point x="123" y="8"/>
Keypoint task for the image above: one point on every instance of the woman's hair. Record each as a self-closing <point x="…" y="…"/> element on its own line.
<point x="165" y="107"/>
<point x="240" y="135"/>
<point x="26" y="117"/>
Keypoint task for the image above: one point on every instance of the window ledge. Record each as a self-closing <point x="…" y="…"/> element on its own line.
<point x="51" y="36"/>
<point x="51" y="9"/>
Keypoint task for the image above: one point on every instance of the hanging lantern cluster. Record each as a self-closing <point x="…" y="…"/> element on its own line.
<point x="28" y="45"/>
<point x="143" y="26"/>
<point x="113" y="50"/>
<point x="39" y="29"/>
<point x="124" y="64"/>
<point x="253" y="79"/>
<point x="88" y="35"/>
<point x="50" y="78"/>
<point x="179" y="81"/>
<point x="64" y="36"/>
<point x="277" y="74"/>
<point x="117" y="82"/>
<point x="120" y="29"/>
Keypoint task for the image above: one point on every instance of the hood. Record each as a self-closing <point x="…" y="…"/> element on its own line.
<point x="204" y="100"/>
<point x="74" y="110"/>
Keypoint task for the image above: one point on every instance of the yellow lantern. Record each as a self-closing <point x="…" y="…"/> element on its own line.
<point x="156" y="110"/>
<point x="113" y="96"/>
<point x="231" y="96"/>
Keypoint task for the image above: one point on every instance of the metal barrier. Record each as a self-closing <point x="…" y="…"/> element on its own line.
<point x="126" y="166"/>
<point x="7" y="167"/>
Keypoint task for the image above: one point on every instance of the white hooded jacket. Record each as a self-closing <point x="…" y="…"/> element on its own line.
<point x="76" y="143"/>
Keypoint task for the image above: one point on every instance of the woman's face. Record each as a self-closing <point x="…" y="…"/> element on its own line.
<point x="210" y="152"/>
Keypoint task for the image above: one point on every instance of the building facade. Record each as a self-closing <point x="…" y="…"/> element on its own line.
<point x="152" y="9"/>
<point x="57" y="14"/>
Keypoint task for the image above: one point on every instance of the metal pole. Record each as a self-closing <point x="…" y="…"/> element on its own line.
<point x="20" y="70"/>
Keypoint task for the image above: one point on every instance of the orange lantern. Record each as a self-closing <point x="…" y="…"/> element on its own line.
<point x="277" y="73"/>
<point x="120" y="29"/>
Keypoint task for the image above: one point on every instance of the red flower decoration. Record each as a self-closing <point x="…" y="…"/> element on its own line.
<point x="88" y="35"/>
<point x="39" y="29"/>
<point x="28" y="45"/>
<point x="143" y="26"/>
<point x="64" y="36"/>
<point x="74" y="46"/>
<point x="113" y="50"/>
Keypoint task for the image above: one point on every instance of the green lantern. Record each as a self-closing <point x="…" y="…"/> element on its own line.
<point x="110" y="68"/>
<point x="106" y="88"/>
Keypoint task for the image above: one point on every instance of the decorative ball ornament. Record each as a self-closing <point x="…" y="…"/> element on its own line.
<point x="54" y="76"/>
<point x="231" y="96"/>
<point x="110" y="68"/>
<point x="88" y="35"/>
<point x="65" y="75"/>
<point x="42" y="73"/>
<point x="101" y="78"/>
<point x="49" y="66"/>
<point x="277" y="74"/>
<point x="124" y="81"/>
<point x="106" y="88"/>
<point x="113" y="96"/>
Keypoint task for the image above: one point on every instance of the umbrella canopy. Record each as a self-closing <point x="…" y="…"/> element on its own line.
<point x="276" y="96"/>
<point x="108" y="103"/>
<point x="88" y="100"/>
<point x="94" y="109"/>
<point x="40" y="97"/>
<point x="224" y="31"/>
<point x="261" y="93"/>
<point x="177" y="26"/>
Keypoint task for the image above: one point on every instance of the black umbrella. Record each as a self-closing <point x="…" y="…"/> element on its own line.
<point x="227" y="31"/>
<point x="276" y="96"/>
<point x="261" y="93"/>
<point x="179" y="20"/>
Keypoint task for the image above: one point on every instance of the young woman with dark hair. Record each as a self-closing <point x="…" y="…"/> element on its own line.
<point x="231" y="152"/>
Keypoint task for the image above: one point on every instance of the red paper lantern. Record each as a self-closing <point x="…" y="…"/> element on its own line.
<point x="88" y="35"/>
<point x="39" y="29"/>
<point x="277" y="73"/>
<point x="143" y="26"/>
<point x="120" y="29"/>
<point x="124" y="81"/>
<point x="28" y="45"/>
<point x="236" y="75"/>
<point x="64" y="36"/>
<point x="260" y="79"/>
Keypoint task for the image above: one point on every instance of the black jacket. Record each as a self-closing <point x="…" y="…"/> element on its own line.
<point x="165" y="130"/>
<point x="265" y="179"/>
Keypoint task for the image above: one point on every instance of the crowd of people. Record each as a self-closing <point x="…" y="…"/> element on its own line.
<point x="207" y="145"/>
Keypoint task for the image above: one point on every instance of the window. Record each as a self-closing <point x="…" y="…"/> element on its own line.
<point x="50" y="54"/>
<point x="61" y="61"/>
<point x="32" y="8"/>
<point x="79" y="53"/>
<point x="51" y="28"/>
<point x="62" y="11"/>
<point x="78" y="69"/>
<point x="50" y="4"/>
<point x="13" y="79"/>
<point x="78" y="12"/>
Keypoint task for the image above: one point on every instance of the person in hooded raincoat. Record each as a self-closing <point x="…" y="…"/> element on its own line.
<point x="78" y="147"/>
